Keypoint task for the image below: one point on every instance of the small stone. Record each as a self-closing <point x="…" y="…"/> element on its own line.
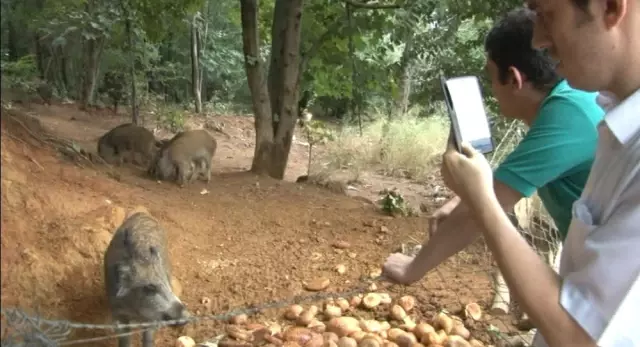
<point x="341" y="244"/>
<point x="384" y="229"/>
<point x="341" y="269"/>
<point x="317" y="284"/>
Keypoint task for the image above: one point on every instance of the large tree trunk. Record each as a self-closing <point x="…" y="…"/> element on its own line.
<point x="274" y="123"/>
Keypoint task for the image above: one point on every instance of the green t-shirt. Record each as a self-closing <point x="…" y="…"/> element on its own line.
<point x="556" y="154"/>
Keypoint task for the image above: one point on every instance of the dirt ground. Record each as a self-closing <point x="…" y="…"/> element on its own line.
<point x="246" y="241"/>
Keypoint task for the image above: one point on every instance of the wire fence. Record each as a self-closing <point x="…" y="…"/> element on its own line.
<point x="24" y="329"/>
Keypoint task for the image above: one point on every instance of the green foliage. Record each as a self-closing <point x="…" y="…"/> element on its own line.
<point x="393" y="203"/>
<point x="172" y="117"/>
<point x="423" y="38"/>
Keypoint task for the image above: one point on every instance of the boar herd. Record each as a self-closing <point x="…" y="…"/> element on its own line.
<point x="184" y="158"/>
<point x="137" y="270"/>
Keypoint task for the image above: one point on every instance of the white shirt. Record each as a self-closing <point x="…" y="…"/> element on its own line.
<point x="600" y="264"/>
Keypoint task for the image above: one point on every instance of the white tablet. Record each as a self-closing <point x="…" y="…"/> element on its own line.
<point x="467" y="113"/>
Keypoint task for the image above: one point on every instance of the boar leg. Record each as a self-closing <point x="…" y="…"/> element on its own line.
<point x="207" y="166"/>
<point x="182" y="173"/>
<point x="147" y="338"/>
<point x="124" y="341"/>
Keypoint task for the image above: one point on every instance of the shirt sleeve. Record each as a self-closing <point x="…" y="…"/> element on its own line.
<point x="603" y="294"/>
<point x="562" y="137"/>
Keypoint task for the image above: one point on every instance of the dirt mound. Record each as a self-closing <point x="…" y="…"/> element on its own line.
<point x="242" y="240"/>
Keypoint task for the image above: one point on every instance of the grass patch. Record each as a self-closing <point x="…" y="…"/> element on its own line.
<point x="407" y="147"/>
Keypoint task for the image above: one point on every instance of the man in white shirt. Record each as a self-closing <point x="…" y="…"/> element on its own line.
<point x="594" y="298"/>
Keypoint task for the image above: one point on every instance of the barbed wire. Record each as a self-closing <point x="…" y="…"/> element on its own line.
<point x="36" y="331"/>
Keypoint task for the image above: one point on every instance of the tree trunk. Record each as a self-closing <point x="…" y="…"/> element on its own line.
<point x="256" y="79"/>
<point x="276" y="108"/>
<point x="135" y="115"/>
<point x="405" y="77"/>
<point x="92" y="54"/>
<point x="195" y="65"/>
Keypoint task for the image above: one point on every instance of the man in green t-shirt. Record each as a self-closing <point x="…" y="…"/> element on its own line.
<point x="554" y="158"/>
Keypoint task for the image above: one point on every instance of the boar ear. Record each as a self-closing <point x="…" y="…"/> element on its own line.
<point x="123" y="275"/>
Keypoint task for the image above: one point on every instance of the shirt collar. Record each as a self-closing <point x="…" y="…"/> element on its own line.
<point x="622" y="118"/>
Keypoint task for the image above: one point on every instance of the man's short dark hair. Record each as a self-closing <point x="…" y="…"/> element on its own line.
<point x="508" y="44"/>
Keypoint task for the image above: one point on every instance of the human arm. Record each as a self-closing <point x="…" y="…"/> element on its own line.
<point x="535" y="284"/>
<point x="455" y="233"/>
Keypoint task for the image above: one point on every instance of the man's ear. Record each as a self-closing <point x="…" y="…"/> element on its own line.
<point x="614" y="11"/>
<point x="123" y="279"/>
<point x="516" y="79"/>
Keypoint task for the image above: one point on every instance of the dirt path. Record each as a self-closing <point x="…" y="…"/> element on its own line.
<point x="248" y="240"/>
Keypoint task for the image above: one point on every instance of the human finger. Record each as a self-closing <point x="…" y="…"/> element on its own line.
<point x="468" y="150"/>
<point x="451" y="141"/>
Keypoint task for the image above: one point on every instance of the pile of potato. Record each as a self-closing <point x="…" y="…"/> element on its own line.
<point x="333" y="325"/>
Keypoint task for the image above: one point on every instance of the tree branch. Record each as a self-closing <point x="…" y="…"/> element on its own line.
<point x="372" y="5"/>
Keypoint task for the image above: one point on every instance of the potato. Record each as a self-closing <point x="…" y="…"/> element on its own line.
<point x="407" y="302"/>
<point x="343" y="326"/>
<point x="227" y="342"/>
<point x="443" y="335"/>
<point x="275" y="328"/>
<point x="293" y="312"/>
<point x="298" y="335"/>
<point x="358" y="335"/>
<point x="444" y="322"/>
<point x="185" y="341"/>
<point x="343" y="304"/>
<point x="406" y="340"/>
<point x="290" y="344"/>
<point x="393" y="333"/>
<point x="460" y="330"/>
<point x="307" y="315"/>
<point x="385" y="298"/>
<point x="347" y="342"/>
<point x="356" y="300"/>
<point x="238" y="333"/>
<point x="330" y="344"/>
<point x="329" y="336"/>
<point x="417" y="344"/>
<point x="389" y="344"/>
<point x="239" y="319"/>
<point x="332" y="311"/>
<point x="432" y="338"/>
<point x="316" y="340"/>
<point x="371" y="300"/>
<point x="384" y="325"/>
<point x="457" y="341"/>
<point x="397" y="313"/>
<point x="370" y="326"/>
<point x="317" y="326"/>
<point x="476" y="343"/>
<point x="369" y="342"/>
<point x="408" y="324"/>
<point x="423" y="329"/>
<point x="473" y="311"/>
<point x="254" y="326"/>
